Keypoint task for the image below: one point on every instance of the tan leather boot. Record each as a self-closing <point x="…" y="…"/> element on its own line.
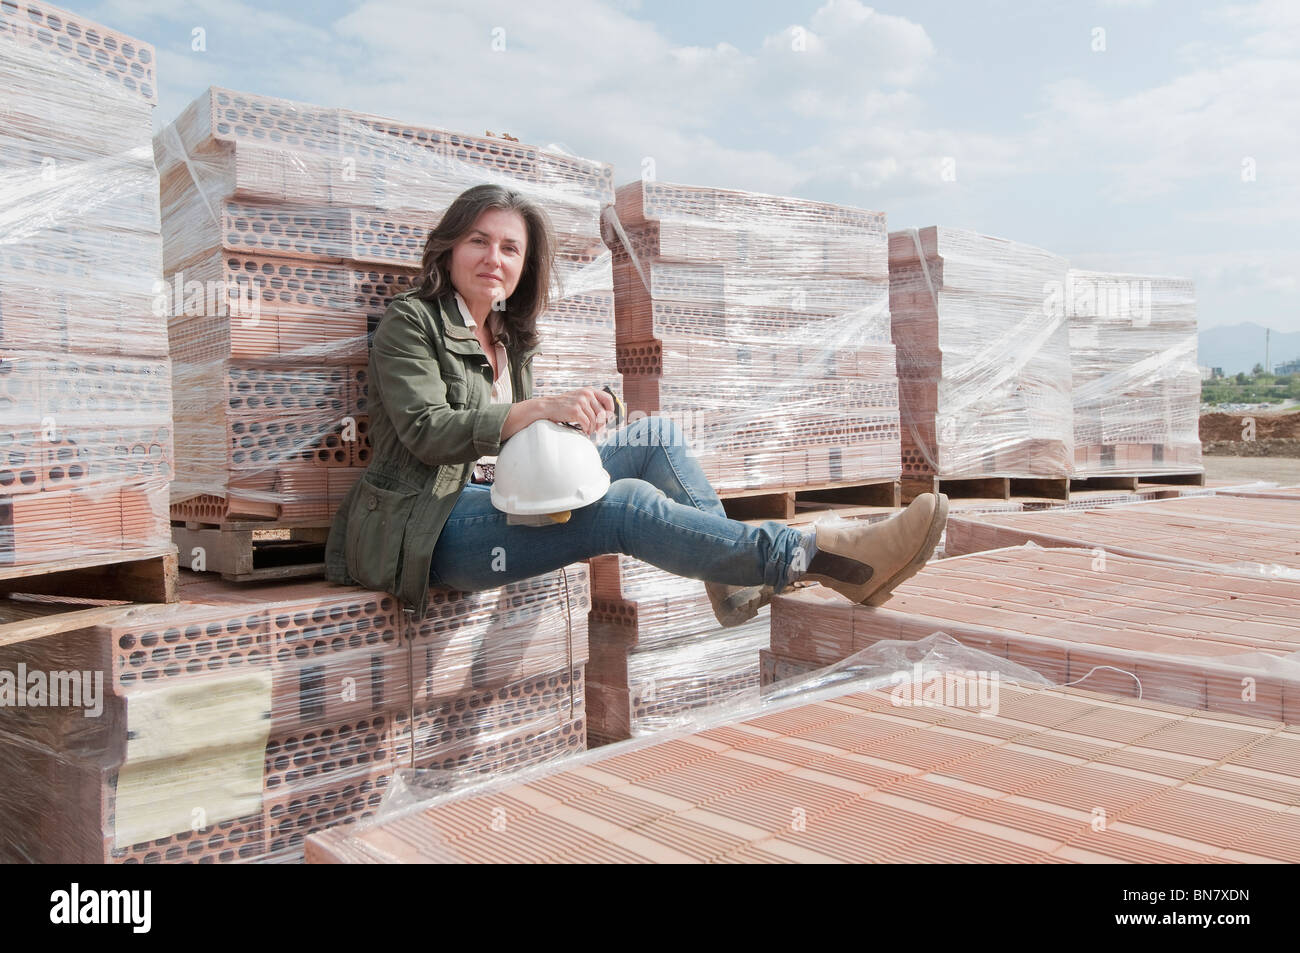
<point x="866" y="561"/>
<point x="736" y="605"/>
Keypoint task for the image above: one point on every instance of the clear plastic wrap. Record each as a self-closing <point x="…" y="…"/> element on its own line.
<point x="983" y="356"/>
<point x="1262" y="488"/>
<point x="1246" y="535"/>
<point x="1137" y="389"/>
<point x="760" y="324"/>
<point x="288" y="228"/>
<point x="1200" y="637"/>
<point x="229" y="726"/>
<point x="657" y="652"/>
<point x="85" y="383"/>
<point x="851" y="766"/>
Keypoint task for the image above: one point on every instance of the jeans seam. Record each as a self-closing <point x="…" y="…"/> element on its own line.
<point x="694" y="532"/>
<point x="680" y="482"/>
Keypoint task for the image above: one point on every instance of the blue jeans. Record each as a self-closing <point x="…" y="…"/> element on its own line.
<point x="682" y="530"/>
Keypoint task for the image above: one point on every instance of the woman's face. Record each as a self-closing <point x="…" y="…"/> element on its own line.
<point x="487" y="261"/>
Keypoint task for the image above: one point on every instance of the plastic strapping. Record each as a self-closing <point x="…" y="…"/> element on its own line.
<point x="172" y="137"/>
<point x="610" y="215"/>
<point x="902" y="391"/>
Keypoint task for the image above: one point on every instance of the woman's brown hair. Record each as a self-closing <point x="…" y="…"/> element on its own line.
<point x="532" y="295"/>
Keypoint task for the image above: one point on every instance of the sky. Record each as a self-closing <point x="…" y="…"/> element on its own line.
<point x="1153" y="137"/>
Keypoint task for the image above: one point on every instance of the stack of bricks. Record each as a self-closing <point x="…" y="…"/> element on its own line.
<point x="85" y="384"/>
<point x="288" y="229"/>
<point x="760" y="325"/>
<point x="658" y="655"/>
<point x="853" y="777"/>
<point x="1199" y="637"/>
<point x="1137" y="390"/>
<point x="1256" y="535"/>
<point x="983" y="356"/>
<point x="238" y="722"/>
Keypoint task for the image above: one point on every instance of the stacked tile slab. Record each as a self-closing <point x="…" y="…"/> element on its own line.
<point x="1195" y="636"/>
<point x="983" y="356"/>
<point x="760" y="325"/>
<point x="239" y="721"/>
<point x="288" y="228"/>
<point x="85" y="383"/>
<point x="851" y="776"/>
<point x="658" y="654"/>
<point x="1137" y="390"/>
<point x="1251" y="534"/>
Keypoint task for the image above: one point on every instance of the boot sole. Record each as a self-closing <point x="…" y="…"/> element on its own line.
<point x="739" y="614"/>
<point x="938" y="521"/>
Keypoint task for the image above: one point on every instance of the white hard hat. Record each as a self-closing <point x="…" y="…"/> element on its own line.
<point x="548" y="469"/>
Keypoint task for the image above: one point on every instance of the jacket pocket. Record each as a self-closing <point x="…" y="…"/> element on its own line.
<point x="376" y="535"/>
<point x="457" y="391"/>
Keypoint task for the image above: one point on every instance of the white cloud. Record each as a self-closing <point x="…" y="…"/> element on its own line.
<point x="618" y="89"/>
<point x="1198" y="127"/>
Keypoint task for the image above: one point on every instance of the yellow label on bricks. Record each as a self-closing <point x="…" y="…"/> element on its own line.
<point x="194" y="755"/>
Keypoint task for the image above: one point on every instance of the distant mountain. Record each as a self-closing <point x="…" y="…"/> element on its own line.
<point x="1240" y="347"/>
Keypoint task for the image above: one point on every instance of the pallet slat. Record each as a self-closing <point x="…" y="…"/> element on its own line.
<point x="148" y="577"/>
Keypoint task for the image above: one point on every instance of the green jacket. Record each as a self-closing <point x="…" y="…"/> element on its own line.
<point x="431" y="417"/>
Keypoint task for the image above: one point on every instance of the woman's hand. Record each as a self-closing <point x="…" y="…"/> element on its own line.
<point x="587" y="407"/>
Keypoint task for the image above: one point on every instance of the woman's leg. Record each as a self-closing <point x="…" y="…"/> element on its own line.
<point x="654" y="449"/>
<point x="478" y="549"/>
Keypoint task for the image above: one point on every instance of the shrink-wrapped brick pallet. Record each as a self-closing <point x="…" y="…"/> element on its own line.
<point x="658" y="654"/>
<point x="1137" y="390"/>
<point x="853" y="772"/>
<point x="85" y="383"/>
<point x="1201" y="637"/>
<point x="288" y="228"/>
<point x="983" y="356"/>
<point x="235" y="723"/>
<point x="760" y="325"/>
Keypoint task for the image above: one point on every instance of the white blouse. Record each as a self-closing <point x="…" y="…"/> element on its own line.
<point x="502" y="390"/>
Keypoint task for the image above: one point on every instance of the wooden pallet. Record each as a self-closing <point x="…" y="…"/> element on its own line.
<point x="254" y="550"/>
<point x="1134" y="481"/>
<point x="148" y="575"/>
<point x="783" y="503"/>
<point x="25" y="620"/>
<point x="990" y="488"/>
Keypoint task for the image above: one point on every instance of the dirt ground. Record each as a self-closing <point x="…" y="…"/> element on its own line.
<point x="1283" y="470"/>
<point x="1268" y="426"/>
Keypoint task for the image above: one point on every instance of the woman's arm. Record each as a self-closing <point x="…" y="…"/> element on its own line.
<point x="415" y="399"/>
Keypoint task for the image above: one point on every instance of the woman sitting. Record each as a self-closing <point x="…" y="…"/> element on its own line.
<point x="451" y="380"/>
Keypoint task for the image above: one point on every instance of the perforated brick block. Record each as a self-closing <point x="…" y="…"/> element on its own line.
<point x="290" y="815"/>
<point x="184" y="640"/>
<point x="299" y="760"/>
<point x="334" y="660"/>
<point x="120" y="60"/>
<point x="462" y="727"/>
